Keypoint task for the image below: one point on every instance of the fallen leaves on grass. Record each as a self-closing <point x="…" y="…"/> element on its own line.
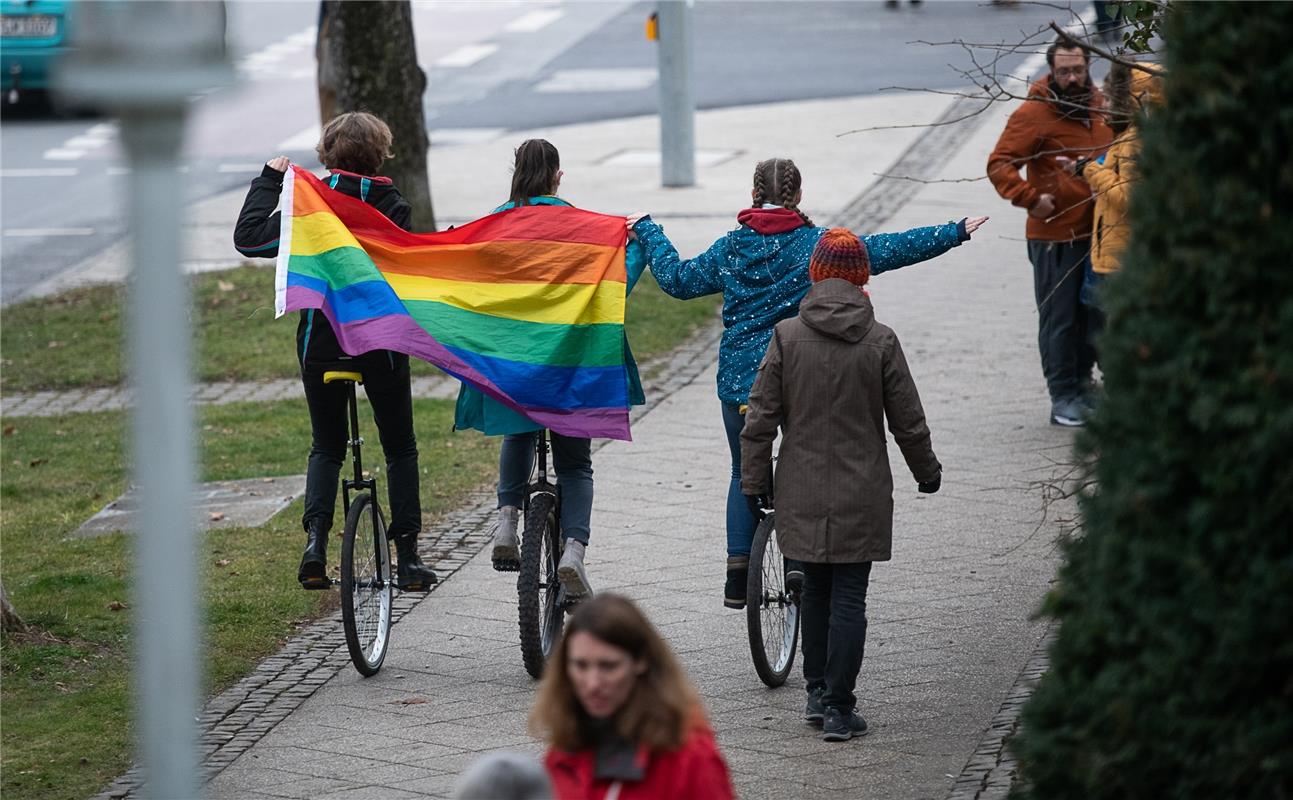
<point x="10" y="430"/>
<point x="117" y="605"/>
<point x="215" y="516"/>
<point x="224" y="562"/>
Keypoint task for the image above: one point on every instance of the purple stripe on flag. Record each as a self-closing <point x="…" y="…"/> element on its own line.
<point x="402" y="334"/>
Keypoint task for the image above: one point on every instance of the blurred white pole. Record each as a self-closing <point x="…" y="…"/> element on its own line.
<point x="677" y="106"/>
<point x="146" y="60"/>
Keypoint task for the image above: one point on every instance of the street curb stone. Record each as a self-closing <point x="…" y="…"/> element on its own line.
<point x="992" y="770"/>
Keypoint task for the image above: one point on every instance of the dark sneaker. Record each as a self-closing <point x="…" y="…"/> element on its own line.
<point x="840" y="726"/>
<point x="814" y="711"/>
<point x="738" y="575"/>
<point x="1067" y="413"/>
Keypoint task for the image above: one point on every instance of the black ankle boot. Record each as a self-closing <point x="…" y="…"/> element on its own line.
<point x="738" y="574"/>
<point x="313" y="572"/>
<point x="411" y="575"/>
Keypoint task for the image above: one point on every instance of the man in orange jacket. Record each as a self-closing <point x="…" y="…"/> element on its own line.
<point x="1061" y="120"/>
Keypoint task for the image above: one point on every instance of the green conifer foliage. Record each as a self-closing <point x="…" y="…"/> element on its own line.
<point x="1172" y="675"/>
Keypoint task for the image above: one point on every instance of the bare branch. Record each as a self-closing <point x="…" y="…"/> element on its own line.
<point x="1068" y="37"/>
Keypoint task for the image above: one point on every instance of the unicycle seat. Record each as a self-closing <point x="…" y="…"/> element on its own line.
<point x="332" y="376"/>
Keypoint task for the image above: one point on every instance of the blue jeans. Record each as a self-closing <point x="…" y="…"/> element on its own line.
<point x="740" y="522"/>
<point x="573" y="461"/>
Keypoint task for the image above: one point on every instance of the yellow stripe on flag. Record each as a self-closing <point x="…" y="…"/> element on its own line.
<point x="553" y="303"/>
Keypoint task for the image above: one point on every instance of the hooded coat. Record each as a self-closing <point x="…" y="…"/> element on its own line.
<point x="830" y="378"/>
<point x="1111" y="179"/>
<point x="1038" y="132"/>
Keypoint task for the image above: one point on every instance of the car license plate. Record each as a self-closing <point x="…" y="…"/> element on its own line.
<point x="31" y="27"/>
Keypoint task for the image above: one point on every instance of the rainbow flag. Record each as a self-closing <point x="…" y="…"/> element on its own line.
<point x="526" y="305"/>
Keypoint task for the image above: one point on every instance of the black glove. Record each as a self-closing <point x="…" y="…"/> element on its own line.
<point x="757" y="503"/>
<point x="930" y="486"/>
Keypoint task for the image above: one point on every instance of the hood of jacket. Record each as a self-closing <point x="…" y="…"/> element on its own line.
<point x="838" y="309"/>
<point x="768" y="221"/>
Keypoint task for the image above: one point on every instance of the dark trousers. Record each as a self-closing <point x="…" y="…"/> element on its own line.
<point x="833" y="628"/>
<point x="386" y="382"/>
<point x="1067" y="355"/>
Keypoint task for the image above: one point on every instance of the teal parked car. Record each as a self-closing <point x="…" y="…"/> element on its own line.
<point x="33" y="35"/>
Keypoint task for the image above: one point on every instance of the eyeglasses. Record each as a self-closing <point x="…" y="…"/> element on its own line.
<point x="1070" y="72"/>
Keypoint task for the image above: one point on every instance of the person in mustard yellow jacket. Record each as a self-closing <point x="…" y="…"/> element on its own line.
<point x="1131" y="94"/>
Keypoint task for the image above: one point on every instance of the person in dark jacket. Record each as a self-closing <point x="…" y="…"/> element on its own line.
<point x="829" y="379"/>
<point x="761" y="270"/>
<point x="352" y="147"/>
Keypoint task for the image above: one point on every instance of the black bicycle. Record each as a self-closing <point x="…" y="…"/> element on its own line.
<point x="771" y="608"/>
<point x="366" y="583"/>
<point x="542" y="601"/>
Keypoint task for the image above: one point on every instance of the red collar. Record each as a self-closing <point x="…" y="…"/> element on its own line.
<point x="768" y="221"/>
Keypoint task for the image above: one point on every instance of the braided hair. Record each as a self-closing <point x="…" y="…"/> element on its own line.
<point x="776" y="182"/>
<point x="535" y="171"/>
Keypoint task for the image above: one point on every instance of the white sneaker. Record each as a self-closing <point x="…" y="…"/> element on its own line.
<point x="507" y="550"/>
<point x="570" y="571"/>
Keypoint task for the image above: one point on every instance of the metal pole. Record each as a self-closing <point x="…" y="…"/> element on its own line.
<point x="167" y="582"/>
<point x="677" y="106"/>
<point x="147" y="61"/>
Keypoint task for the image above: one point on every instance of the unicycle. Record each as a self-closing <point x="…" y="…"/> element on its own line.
<point x="771" y="609"/>
<point x="542" y="602"/>
<point x="366" y="582"/>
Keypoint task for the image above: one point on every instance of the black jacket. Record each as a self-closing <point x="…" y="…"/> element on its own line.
<point x="256" y="236"/>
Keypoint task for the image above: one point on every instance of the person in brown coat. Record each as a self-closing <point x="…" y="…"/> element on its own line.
<point x="1058" y="122"/>
<point x="830" y="378"/>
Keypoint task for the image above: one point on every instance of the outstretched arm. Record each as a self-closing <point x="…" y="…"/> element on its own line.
<point x="256" y="234"/>
<point x="893" y="250"/>
<point x="678" y="277"/>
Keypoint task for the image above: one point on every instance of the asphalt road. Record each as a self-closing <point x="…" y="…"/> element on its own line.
<point x="492" y="68"/>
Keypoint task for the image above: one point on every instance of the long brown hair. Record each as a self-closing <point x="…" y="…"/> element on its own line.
<point x="662" y="708"/>
<point x="535" y="170"/>
<point x="777" y="181"/>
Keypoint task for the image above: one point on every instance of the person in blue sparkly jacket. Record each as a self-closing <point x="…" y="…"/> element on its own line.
<point x="761" y="269"/>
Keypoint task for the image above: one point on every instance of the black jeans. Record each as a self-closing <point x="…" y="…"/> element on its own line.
<point x="1067" y="355"/>
<point x="834" y="629"/>
<point x="386" y="382"/>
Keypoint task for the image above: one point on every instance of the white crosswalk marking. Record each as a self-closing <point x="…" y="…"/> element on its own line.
<point x="624" y="79"/>
<point x="49" y="232"/>
<point x="466" y="55"/>
<point x="535" y="20"/>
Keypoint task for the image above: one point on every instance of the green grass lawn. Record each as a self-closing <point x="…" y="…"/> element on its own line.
<point x="74" y="340"/>
<point x="66" y="683"/>
<point x="65" y="690"/>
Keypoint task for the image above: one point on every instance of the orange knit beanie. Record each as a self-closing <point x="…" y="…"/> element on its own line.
<point x="840" y="254"/>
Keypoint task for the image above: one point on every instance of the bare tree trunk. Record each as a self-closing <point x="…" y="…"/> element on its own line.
<point x="9" y="619"/>
<point x="368" y="62"/>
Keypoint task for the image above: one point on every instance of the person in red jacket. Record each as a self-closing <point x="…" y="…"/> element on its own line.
<point x="621" y="720"/>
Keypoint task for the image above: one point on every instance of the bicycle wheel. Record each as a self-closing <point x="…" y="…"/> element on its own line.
<point x="771" y="613"/>
<point x="366" y="585"/>
<point x="539" y="607"/>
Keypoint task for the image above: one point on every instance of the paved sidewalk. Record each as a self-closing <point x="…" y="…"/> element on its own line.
<point x="115" y="398"/>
